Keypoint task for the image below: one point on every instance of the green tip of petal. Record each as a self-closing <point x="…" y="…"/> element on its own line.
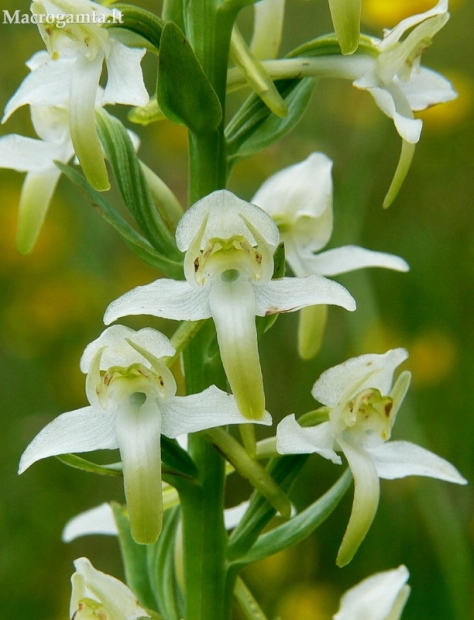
<point x="404" y="163"/>
<point x="311" y="328"/>
<point x="346" y="20"/>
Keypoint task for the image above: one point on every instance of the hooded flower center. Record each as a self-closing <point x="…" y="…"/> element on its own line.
<point x="366" y="419"/>
<point x="135" y="384"/>
<point x="228" y="259"/>
<point x="71" y="34"/>
<point x="88" y="609"/>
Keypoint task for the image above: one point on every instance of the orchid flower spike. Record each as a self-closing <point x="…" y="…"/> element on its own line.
<point x="379" y="597"/>
<point x="133" y="401"/>
<point x="98" y="596"/>
<point x="362" y="410"/>
<point x="299" y="199"/>
<point x="78" y="45"/>
<point x="229" y="245"/>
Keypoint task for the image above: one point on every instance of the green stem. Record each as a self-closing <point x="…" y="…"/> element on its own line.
<point x="209" y="32"/>
<point x="204" y="535"/>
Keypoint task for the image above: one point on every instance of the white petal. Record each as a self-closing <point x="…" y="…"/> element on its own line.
<point x="300" y="197"/>
<point x="118" y="600"/>
<point x="356" y="374"/>
<point x="38" y="59"/>
<point x="366" y="499"/>
<point x="426" y="88"/>
<point x="290" y="294"/>
<point x="51" y="123"/>
<point x="124" y="76"/>
<point x="398" y="459"/>
<point x="98" y="520"/>
<point x="48" y="85"/>
<point x="82" y="430"/>
<point x="233" y="310"/>
<point x="170" y="299"/>
<point x="118" y="351"/>
<point x="294" y="439"/>
<point x="226" y="217"/>
<point x="373" y="598"/>
<point x="392" y="101"/>
<point x="198" y="412"/>
<point x="394" y="35"/>
<point x="25" y="154"/>
<point x="138" y="431"/>
<point x="349" y="258"/>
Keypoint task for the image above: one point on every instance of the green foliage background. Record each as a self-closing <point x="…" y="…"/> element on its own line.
<point x="52" y="304"/>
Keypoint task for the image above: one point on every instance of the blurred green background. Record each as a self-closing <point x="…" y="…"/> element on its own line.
<point x="52" y="304"/>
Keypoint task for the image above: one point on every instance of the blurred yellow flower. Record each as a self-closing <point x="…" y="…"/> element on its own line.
<point x="433" y="357"/>
<point x="308" y="602"/>
<point x="388" y="13"/>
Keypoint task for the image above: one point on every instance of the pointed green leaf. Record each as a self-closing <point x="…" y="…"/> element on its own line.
<point x="185" y="94"/>
<point x="132" y="184"/>
<point x="78" y="462"/>
<point x="251" y="469"/>
<point x="161" y="568"/>
<point x="254" y="127"/>
<point x="284" y="470"/>
<point x="141" y="22"/>
<point x="249" y="606"/>
<point x="132" y="238"/>
<point x="174" y="457"/>
<point x="300" y="526"/>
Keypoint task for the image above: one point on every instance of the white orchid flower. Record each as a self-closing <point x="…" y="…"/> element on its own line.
<point x="299" y="199"/>
<point x="389" y="69"/>
<point x="133" y="401"/>
<point x="400" y="86"/>
<point x="362" y="410"/>
<point x="98" y="596"/>
<point x="36" y="158"/>
<point x="396" y="80"/>
<point x="229" y="245"/>
<point x="379" y="597"/>
<point x="78" y="49"/>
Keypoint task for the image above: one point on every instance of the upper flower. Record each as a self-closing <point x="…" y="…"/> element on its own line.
<point x="98" y="596"/>
<point x="362" y="410"/>
<point x="78" y="49"/>
<point x="396" y="80"/>
<point x="299" y="199"/>
<point x="133" y="401"/>
<point x="229" y="245"/>
<point x="379" y="597"/>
